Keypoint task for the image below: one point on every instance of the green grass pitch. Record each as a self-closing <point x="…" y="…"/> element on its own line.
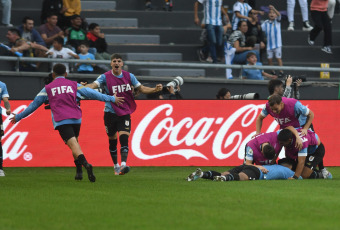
<point x="161" y="198"/>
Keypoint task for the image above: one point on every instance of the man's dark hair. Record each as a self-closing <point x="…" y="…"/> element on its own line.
<point x="268" y="152"/>
<point x="116" y="56"/>
<point x="222" y="92"/>
<point x="50" y="14"/>
<point x="24" y="20"/>
<point x="250" y="54"/>
<point x="14" y="31"/>
<point x="59" y="40"/>
<point x="92" y="26"/>
<point x="285" y="135"/>
<point x="75" y="16"/>
<point x="240" y="23"/>
<point x="59" y="69"/>
<point x="274" y="100"/>
<point x="272" y="84"/>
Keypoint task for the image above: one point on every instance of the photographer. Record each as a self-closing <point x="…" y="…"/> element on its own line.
<point x="223" y="94"/>
<point x="275" y="86"/>
<point x="170" y="90"/>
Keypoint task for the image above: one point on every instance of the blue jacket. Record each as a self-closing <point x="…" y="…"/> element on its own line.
<point x="35" y="36"/>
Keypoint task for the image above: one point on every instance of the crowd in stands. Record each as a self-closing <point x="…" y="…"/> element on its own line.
<point x="246" y="33"/>
<point x="63" y="33"/>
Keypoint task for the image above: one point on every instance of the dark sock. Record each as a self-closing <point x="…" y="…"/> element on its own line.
<point x="78" y="166"/>
<point x="82" y="160"/>
<point x="113" y="150"/>
<point x="210" y="175"/>
<point x="1" y="160"/>
<point x="316" y="175"/>
<point x="124" y="150"/>
<point x="232" y="176"/>
<point x="320" y="165"/>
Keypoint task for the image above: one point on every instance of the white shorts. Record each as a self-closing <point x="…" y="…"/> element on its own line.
<point x="277" y="52"/>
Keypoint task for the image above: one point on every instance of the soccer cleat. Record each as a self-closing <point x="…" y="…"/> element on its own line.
<point x="291" y="26"/>
<point x="306" y="26"/>
<point x="90" y="174"/>
<point x="195" y="175"/>
<point x="326" y="174"/>
<point x="327" y="49"/>
<point x="117" y="170"/>
<point x="2" y="173"/>
<point x="124" y="170"/>
<point x="79" y="176"/>
<point x="310" y="42"/>
<point x="220" y="178"/>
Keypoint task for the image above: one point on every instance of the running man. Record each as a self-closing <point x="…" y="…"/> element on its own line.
<point x="117" y="117"/>
<point x="66" y="113"/>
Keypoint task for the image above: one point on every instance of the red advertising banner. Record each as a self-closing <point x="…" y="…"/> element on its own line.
<point x="164" y="133"/>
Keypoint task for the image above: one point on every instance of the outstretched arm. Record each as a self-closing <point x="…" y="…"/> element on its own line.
<point x="93" y="94"/>
<point x="36" y="103"/>
<point x="148" y="90"/>
<point x="7" y="105"/>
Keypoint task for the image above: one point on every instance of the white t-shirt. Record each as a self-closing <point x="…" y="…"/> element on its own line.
<point x="63" y="53"/>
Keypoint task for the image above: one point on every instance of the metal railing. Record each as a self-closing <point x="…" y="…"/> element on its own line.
<point x="170" y="64"/>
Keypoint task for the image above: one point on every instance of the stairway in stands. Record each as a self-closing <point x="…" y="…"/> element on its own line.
<point x="172" y="36"/>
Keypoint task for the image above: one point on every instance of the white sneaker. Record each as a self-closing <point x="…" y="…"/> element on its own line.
<point x="195" y="175"/>
<point x="327" y="49"/>
<point x="2" y="173"/>
<point x="220" y="178"/>
<point x="306" y="26"/>
<point x="117" y="169"/>
<point x="310" y="42"/>
<point x="291" y="26"/>
<point x="326" y="174"/>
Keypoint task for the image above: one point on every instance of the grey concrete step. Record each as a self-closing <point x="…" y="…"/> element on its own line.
<point x="132" y="39"/>
<point x="171" y="72"/>
<point x="98" y="5"/>
<point x="153" y="56"/>
<point x="115" y="22"/>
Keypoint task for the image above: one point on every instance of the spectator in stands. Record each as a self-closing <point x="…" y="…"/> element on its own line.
<point x="75" y="34"/>
<point x="213" y="24"/>
<point x="6" y="12"/>
<point x="331" y="8"/>
<point x="241" y="11"/>
<point x="167" y="5"/>
<point x="18" y="44"/>
<point x="321" y="22"/>
<point x="73" y="7"/>
<point x="237" y="40"/>
<point x="223" y="94"/>
<point x="97" y="40"/>
<point x="85" y="55"/>
<point x="50" y="30"/>
<point x="255" y="74"/>
<point x="272" y="29"/>
<point x="255" y="30"/>
<point x="304" y="12"/>
<point x="58" y="51"/>
<point x="28" y="32"/>
<point x="52" y="6"/>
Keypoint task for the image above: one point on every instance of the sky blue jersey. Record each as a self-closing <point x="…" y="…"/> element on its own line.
<point x="3" y="93"/>
<point x="101" y="81"/>
<point x="276" y="172"/>
<point x="81" y="91"/>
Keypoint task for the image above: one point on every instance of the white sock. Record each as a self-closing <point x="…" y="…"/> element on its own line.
<point x="117" y="165"/>
<point x="123" y="163"/>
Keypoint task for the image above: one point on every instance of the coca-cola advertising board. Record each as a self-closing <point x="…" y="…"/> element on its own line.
<point x="164" y="133"/>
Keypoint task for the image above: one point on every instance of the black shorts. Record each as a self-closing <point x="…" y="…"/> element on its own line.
<point x="68" y="131"/>
<point x="1" y="127"/>
<point x="312" y="160"/>
<point x="114" y="123"/>
<point x="251" y="171"/>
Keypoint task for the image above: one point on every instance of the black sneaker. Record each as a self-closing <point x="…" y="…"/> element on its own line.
<point x="79" y="176"/>
<point x="90" y="174"/>
<point x="148" y="6"/>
